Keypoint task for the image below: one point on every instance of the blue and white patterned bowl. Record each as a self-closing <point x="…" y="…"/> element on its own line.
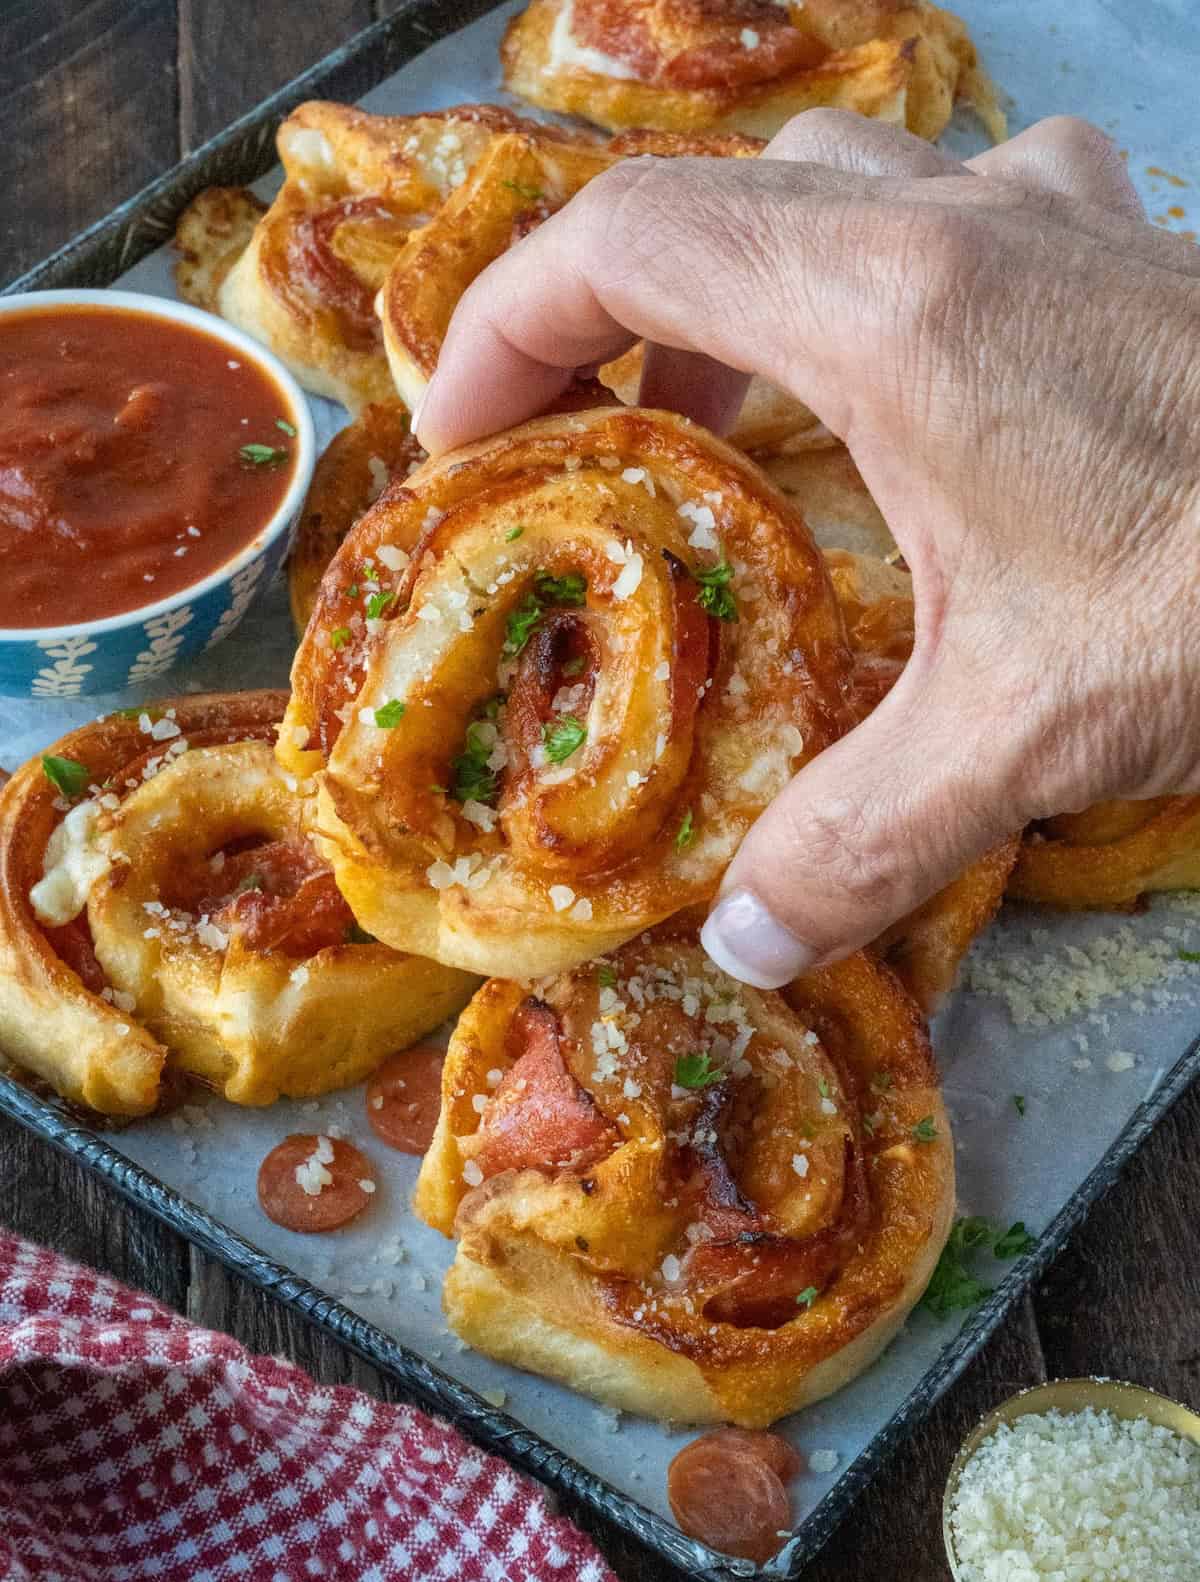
<point x="141" y="644"/>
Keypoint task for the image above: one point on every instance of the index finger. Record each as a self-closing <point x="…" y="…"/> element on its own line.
<point x="700" y="255"/>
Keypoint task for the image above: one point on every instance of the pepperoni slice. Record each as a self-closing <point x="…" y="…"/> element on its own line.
<point x="404" y="1098"/>
<point x="729" y="1497"/>
<point x="321" y="1204"/>
<point x="540" y="1118"/>
<point x="782" y="1458"/>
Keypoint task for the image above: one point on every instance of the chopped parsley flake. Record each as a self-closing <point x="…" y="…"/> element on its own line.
<point x="1015" y="1242"/>
<point x="339" y="637"/>
<point x="263" y="455"/>
<point x="288" y="428"/>
<point x="377" y="604"/>
<point x="513" y="534"/>
<point x="563" y="737"/>
<point x="1189" y="955"/>
<point x="686" y="833"/>
<point x="716" y="596"/>
<point x="606" y="976"/>
<point x="66" y="774"/>
<point x="390" y="714"/>
<point x="135" y="712"/>
<point x="953" y="1286"/>
<point x="252" y="881"/>
<point x="352" y="591"/>
<point x="925" y="1131"/>
<point x="473" y="781"/>
<point x="881" y="1081"/>
<point x="822" y="1087"/>
<point x="808" y="1296"/>
<point x="569" y="591"/>
<point x="696" y="1071"/>
<point x="1019" y="1103"/>
<point x="532" y="194"/>
<point x="574" y="667"/>
<point x="521" y="623"/>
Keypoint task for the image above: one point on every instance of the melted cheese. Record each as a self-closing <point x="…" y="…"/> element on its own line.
<point x="567" y="54"/>
<point x="76" y="856"/>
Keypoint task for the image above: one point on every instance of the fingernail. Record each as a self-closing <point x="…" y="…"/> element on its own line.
<point x="748" y="943"/>
<point x="414" y="421"/>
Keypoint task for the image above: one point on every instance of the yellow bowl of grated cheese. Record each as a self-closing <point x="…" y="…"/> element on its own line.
<point x="1080" y="1478"/>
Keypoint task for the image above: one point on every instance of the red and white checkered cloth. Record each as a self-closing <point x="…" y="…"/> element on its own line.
<point x="134" y="1446"/>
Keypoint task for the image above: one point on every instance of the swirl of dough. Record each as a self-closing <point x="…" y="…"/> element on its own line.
<point x="162" y="912"/>
<point x="686" y="1197"/>
<point x="355" y="186"/>
<point x="220" y="922"/>
<point x="746" y="65"/>
<point x="59" y="1018"/>
<point x="613" y="644"/>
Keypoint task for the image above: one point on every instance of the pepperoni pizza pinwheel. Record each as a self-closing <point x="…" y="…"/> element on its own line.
<point x="689" y="1198"/>
<point x="355" y="185"/>
<point x="162" y="911"/>
<point x="746" y="65"/>
<point x="609" y="644"/>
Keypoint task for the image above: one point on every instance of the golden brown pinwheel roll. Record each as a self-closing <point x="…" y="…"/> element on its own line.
<point x="1111" y="855"/>
<point x="686" y="1197"/>
<point x="163" y="908"/>
<point x="746" y="65"/>
<point x="355" y="186"/>
<point x="609" y="644"/>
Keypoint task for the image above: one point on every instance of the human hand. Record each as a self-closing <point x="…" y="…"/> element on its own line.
<point x="1012" y="356"/>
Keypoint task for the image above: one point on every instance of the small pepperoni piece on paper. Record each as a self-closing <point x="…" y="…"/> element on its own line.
<point x="729" y="1497"/>
<point x="404" y="1098"/>
<point x="314" y="1183"/>
<point x="782" y="1458"/>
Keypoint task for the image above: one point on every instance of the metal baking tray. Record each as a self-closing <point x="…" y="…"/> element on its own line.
<point x="241" y="154"/>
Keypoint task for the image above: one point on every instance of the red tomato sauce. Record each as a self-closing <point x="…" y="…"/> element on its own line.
<point x="122" y="472"/>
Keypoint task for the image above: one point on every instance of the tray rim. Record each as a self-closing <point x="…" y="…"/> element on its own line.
<point x="108" y="247"/>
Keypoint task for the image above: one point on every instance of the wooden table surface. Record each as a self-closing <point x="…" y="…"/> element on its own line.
<point x="96" y="98"/>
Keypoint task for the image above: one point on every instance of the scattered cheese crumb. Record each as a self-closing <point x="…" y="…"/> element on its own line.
<point x="471" y="1173"/>
<point x="561" y="896"/>
<point x="823" y="1460"/>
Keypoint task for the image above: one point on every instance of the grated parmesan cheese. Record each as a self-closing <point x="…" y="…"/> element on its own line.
<point x="1041" y="988"/>
<point x="1079" y="1497"/>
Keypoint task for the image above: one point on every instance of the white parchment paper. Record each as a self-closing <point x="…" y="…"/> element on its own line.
<point x="1133" y="67"/>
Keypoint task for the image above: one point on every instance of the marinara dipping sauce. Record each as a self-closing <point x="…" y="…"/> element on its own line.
<point x="137" y="456"/>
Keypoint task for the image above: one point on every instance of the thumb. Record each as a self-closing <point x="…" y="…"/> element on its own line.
<point x="865" y="833"/>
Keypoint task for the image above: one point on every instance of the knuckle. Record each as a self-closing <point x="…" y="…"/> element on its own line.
<point x="852" y="854"/>
<point x="813" y="134"/>
<point x="1076" y="140"/>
